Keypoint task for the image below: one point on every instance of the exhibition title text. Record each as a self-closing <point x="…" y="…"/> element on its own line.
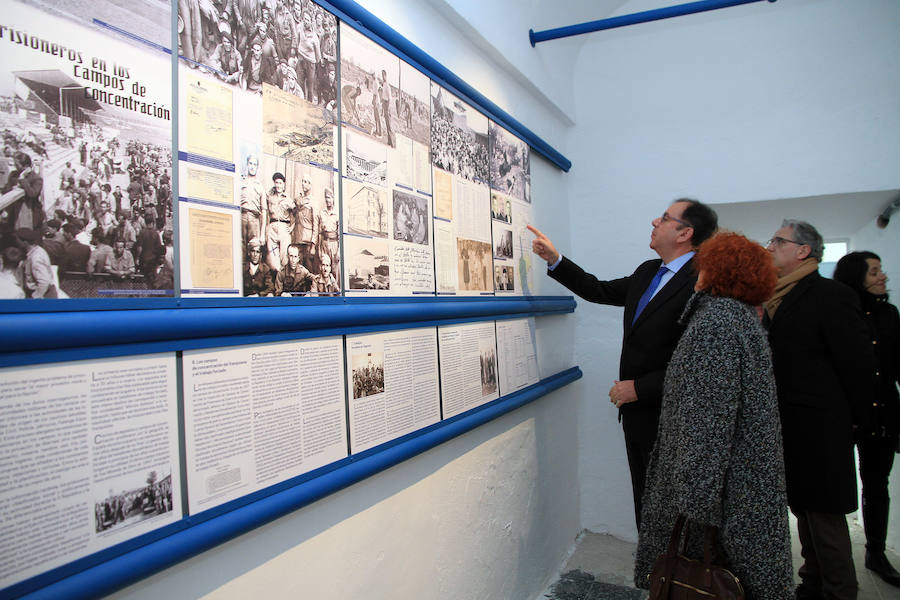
<point x="112" y="82"/>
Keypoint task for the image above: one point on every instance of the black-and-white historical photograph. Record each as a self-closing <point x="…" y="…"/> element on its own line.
<point x="410" y="218"/>
<point x="289" y="44"/>
<point x="504" y="278"/>
<point x="474" y="265"/>
<point x="364" y="159"/>
<point x="370" y="86"/>
<point x="131" y="503"/>
<point x="488" y="370"/>
<point x="368" y="264"/>
<point x="501" y="207"/>
<point x="85" y="166"/>
<point x="503" y="248"/>
<point x="365" y="209"/>
<point x="510" y="164"/>
<point x="411" y="106"/>
<point x="459" y="136"/>
<point x="368" y="374"/>
<point x="290" y="228"/>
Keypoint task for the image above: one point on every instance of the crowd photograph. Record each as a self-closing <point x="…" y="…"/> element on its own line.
<point x="86" y="208"/>
<point x="289" y="44"/>
<point x="456" y="146"/>
<point x="368" y="374"/>
<point x="126" y="507"/>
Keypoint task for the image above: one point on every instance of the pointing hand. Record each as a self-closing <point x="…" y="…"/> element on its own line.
<point x="542" y="246"/>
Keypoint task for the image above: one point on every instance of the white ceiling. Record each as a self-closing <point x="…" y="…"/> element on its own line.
<point x="836" y="216"/>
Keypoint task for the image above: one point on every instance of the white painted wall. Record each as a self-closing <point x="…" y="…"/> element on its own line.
<point x="758" y="102"/>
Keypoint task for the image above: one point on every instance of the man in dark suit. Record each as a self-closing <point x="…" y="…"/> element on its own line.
<point x="654" y="297"/>
<point x="823" y="361"/>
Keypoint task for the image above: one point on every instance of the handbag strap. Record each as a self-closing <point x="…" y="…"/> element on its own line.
<point x="671" y="554"/>
<point x="675" y="541"/>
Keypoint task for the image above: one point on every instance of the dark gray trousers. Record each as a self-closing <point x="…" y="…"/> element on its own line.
<point x="827" y="570"/>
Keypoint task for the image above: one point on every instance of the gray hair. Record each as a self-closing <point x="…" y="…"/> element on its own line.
<point x="806" y="234"/>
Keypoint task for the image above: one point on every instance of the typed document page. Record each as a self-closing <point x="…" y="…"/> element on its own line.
<point x="88" y="458"/>
<point x="468" y="366"/>
<point x="258" y="415"/>
<point x="517" y="354"/>
<point x="393" y="382"/>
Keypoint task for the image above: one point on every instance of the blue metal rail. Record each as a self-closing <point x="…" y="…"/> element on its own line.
<point x="35" y="337"/>
<point x="633" y="19"/>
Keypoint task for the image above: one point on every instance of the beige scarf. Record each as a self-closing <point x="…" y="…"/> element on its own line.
<point x="786" y="284"/>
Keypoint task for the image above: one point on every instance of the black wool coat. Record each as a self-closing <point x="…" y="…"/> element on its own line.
<point x="884" y="327"/>
<point x="647" y="345"/>
<point x="824" y="368"/>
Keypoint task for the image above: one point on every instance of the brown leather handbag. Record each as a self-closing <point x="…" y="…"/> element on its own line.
<point x="676" y="577"/>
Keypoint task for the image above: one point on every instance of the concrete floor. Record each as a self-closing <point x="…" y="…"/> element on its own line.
<point x="600" y="568"/>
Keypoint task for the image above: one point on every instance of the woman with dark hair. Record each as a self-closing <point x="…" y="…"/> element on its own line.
<point x="876" y="446"/>
<point x="718" y="457"/>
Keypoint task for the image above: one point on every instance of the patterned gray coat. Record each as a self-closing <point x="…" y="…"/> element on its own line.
<point x="718" y="458"/>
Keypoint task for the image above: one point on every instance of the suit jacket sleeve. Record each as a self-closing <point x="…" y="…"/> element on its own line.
<point x="646" y="346"/>
<point x="588" y="287"/>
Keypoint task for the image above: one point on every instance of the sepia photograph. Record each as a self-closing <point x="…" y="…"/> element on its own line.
<point x="290" y="228"/>
<point x="295" y="129"/>
<point x="474" y="265"/>
<point x="410" y="218"/>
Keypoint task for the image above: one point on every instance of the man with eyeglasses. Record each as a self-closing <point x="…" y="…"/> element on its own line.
<point x="654" y="297"/>
<point x="823" y="361"/>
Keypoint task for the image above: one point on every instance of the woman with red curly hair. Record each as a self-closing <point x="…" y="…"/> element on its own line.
<point x="718" y="458"/>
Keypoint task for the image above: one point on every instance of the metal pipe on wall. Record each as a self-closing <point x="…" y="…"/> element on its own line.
<point x="633" y="19"/>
